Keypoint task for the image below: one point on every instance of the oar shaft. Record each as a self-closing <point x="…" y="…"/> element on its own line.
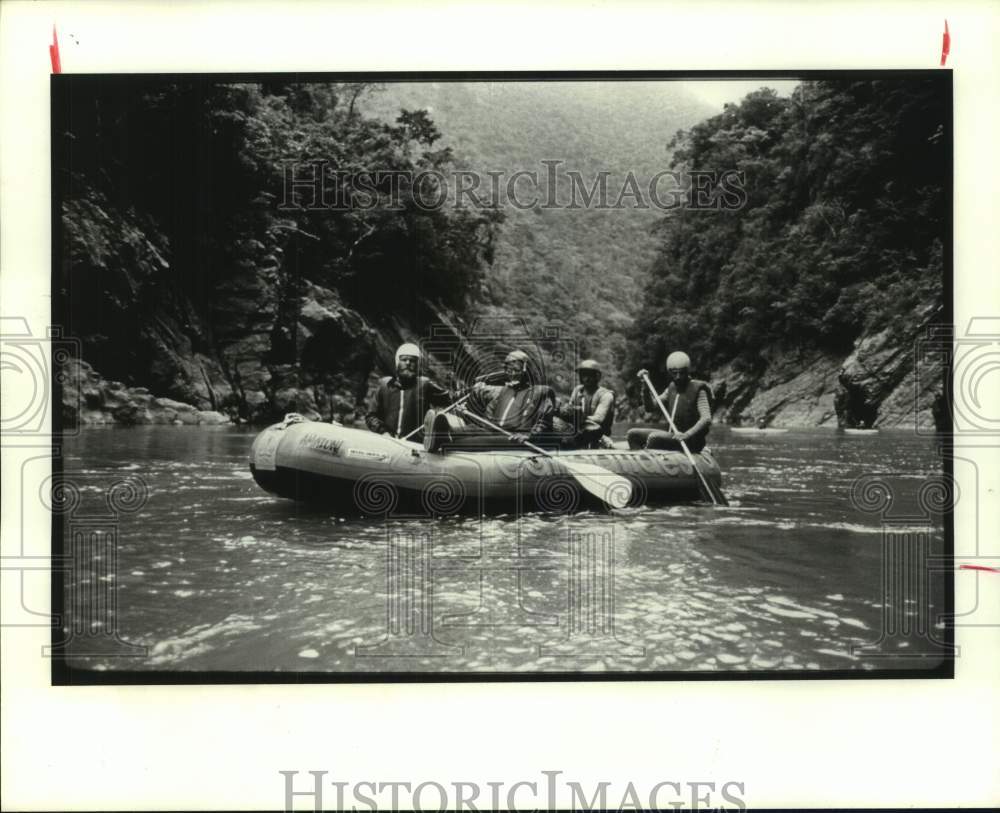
<point x="505" y="433"/>
<point x="593" y="479"/>
<point x="673" y="428"/>
<point x="461" y="400"/>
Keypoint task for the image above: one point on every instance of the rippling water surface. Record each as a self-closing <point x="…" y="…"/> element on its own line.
<point x="214" y="574"/>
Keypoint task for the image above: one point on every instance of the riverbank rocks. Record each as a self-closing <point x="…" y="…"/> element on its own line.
<point x="884" y="381"/>
<point x="795" y="389"/>
<point x="295" y="399"/>
<point x="88" y="399"/>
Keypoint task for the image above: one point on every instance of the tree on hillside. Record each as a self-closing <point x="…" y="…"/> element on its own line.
<point x="197" y="172"/>
<point x="842" y="229"/>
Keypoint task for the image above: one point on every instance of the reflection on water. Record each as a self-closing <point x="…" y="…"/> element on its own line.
<point x="214" y="574"/>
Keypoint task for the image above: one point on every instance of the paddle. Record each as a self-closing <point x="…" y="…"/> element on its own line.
<point x="607" y="486"/>
<point x="459" y="402"/>
<point x="496" y="377"/>
<point x="712" y="491"/>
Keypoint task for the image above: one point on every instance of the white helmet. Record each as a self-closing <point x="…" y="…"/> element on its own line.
<point x="408" y="349"/>
<point x="678" y="359"/>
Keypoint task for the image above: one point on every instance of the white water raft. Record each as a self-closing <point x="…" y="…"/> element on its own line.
<point x="353" y="471"/>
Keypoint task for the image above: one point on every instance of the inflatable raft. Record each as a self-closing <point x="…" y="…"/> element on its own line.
<point x="351" y="472"/>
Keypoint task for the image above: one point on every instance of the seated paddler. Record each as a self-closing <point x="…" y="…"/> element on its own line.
<point x="499" y="417"/>
<point x="400" y="402"/>
<point x="589" y="411"/>
<point x="687" y="400"/>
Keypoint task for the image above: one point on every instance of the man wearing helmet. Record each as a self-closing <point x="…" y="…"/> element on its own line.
<point x="400" y="401"/>
<point x="590" y="410"/>
<point x="519" y="406"/>
<point x="688" y="401"/>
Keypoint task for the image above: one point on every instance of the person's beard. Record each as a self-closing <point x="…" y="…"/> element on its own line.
<point x="515" y="379"/>
<point x="406" y="375"/>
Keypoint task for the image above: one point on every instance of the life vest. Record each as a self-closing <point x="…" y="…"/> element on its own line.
<point x="588" y="402"/>
<point x="686" y="411"/>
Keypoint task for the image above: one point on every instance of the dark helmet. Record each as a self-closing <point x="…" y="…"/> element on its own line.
<point x="588" y="364"/>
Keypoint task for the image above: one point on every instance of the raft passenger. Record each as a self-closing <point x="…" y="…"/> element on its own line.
<point x="688" y="401"/>
<point x="400" y="401"/>
<point x="590" y="410"/>
<point x="519" y="406"/>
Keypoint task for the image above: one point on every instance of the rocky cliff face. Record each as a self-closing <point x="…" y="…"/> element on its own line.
<point x="89" y="399"/>
<point x="887" y="382"/>
<point x="338" y="357"/>
<point x="793" y="390"/>
<point x="883" y="382"/>
<point x="250" y="346"/>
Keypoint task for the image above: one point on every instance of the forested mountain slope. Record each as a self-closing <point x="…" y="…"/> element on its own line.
<point x="181" y="274"/>
<point x="807" y="304"/>
<point x="582" y="269"/>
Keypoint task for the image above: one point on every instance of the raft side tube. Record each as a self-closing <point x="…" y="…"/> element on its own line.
<point x="359" y="472"/>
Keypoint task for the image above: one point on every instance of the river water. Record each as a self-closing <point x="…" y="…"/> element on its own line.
<point x="210" y="573"/>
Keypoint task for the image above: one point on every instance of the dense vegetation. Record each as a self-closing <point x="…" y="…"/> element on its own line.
<point x="171" y="188"/>
<point x="579" y="270"/>
<point x="842" y="232"/>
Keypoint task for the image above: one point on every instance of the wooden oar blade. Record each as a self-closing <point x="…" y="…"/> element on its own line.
<point x="607" y="486"/>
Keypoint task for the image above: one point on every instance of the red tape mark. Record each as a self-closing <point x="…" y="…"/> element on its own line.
<point x="945" y="44"/>
<point x="54" y="52"/>
<point x="979" y="567"/>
